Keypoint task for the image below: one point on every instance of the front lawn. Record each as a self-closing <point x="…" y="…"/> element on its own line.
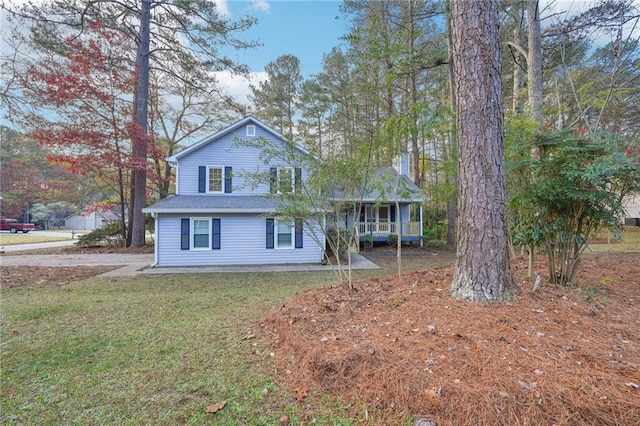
<point x="151" y="350"/>
<point x="167" y="349"/>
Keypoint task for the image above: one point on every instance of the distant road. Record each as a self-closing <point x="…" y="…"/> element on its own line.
<point x="36" y="246"/>
<point x="61" y="233"/>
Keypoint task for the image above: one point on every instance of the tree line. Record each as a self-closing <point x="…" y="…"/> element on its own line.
<point x="75" y="80"/>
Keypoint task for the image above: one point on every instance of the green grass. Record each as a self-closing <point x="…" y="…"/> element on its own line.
<point x="149" y="350"/>
<point x="157" y="349"/>
<point x="629" y="240"/>
<point x="7" y="239"/>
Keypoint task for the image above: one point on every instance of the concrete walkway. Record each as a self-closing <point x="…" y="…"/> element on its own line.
<point x="358" y="262"/>
<point x="130" y="264"/>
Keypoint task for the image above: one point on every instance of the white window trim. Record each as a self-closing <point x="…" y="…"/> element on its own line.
<point x="276" y="243"/>
<point x="292" y="174"/>
<point x="209" y="177"/>
<point x="388" y="207"/>
<point x="192" y="233"/>
<point x="251" y="130"/>
<point x="376" y="213"/>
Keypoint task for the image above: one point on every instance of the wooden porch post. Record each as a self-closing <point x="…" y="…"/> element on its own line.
<point x="399" y="219"/>
<point x="421" y="230"/>
<point x="371" y="222"/>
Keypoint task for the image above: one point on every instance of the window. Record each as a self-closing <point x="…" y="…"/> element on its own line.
<point x="285" y="180"/>
<point x="200" y="233"/>
<point x="251" y="130"/>
<point x="216" y="179"/>
<point x="201" y="229"/>
<point x="284" y="234"/>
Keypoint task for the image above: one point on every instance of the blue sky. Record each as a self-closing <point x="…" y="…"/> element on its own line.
<point x="304" y="28"/>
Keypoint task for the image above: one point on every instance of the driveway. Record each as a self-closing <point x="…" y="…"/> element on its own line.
<point x="138" y="264"/>
<point x="131" y="264"/>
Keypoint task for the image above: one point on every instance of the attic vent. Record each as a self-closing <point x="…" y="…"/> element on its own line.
<point x="251" y="130"/>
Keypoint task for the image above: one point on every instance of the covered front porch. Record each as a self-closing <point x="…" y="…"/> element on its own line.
<point x="376" y="222"/>
<point x="380" y="231"/>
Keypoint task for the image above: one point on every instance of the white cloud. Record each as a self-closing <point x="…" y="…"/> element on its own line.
<point x="223" y="8"/>
<point x="261" y="5"/>
<point x="238" y="87"/>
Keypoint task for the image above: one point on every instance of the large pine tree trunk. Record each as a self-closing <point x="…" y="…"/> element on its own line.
<point x="140" y="134"/>
<point x="482" y="260"/>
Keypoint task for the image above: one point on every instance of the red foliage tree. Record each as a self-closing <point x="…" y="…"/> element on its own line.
<point x="84" y="109"/>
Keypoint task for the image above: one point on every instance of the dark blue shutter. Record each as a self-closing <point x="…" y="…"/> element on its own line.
<point x="273" y="180"/>
<point x="202" y="179"/>
<point x="392" y="213"/>
<point x="215" y="234"/>
<point x="227" y="180"/>
<point x="298" y="233"/>
<point x="270" y="226"/>
<point x="298" y="180"/>
<point x="184" y="234"/>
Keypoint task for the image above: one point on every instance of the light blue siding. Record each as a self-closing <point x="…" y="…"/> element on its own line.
<point x="242" y="234"/>
<point x="242" y="241"/>
<point x="229" y="151"/>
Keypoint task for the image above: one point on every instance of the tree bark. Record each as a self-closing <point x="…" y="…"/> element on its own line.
<point x="517" y="102"/>
<point x="452" y="210"/>
<point x="482" y="259"/>
<point x="534" y="62"/>
<point x="140" y="133"/>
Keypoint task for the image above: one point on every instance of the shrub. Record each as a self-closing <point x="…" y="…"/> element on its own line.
<point x="568" y="192"/>
<point x="109" y="235"/>
<point x="392" y="239"/>
<point x="437" y="232"/>
<point x="339" y="241"/>
<point x="367" y="242"/>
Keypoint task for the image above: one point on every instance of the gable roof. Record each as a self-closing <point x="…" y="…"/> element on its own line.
<point x="381" y="187"/>
<point x="108" y="215"/>
<point x="229" y="129"/>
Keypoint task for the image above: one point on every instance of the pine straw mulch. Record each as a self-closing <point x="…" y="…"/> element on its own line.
<point x="403" y="350"/>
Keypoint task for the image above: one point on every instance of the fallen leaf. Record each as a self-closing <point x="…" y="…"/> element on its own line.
<point x="302" y="393"/>
<point x="249" y="335"/>
<point x="433" y="396"/>
<point x="215" y="407"/>
<point x="284" y="420"/>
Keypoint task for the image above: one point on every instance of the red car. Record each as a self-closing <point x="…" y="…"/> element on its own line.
<point x="13" y="226"/>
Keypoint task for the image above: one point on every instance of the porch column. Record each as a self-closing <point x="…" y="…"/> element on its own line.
<point x="421" y="230"/>
<point x="371" y="221"/>
<point x="420" y="227"/>
<point x="398" y="207"/>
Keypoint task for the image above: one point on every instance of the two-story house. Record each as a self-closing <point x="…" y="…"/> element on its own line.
<point x="221" y="216"/>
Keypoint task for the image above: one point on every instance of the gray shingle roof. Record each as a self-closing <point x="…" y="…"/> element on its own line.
<point x="213" y="204"/>
<point x="381" y="187"/>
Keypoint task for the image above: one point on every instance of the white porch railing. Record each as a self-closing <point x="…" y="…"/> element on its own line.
<point x="383" y="229"/>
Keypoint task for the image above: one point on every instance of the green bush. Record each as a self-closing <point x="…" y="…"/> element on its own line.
<point x="367" y="242"/>
<point x="109" y="235"/>
<point x="571" y="190"/>
<point x="339" y="241"/>
<point x="392" y="239"/>
<point x="437" y="232"/>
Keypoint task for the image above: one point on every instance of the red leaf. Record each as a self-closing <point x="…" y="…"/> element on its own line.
<point x="302" y="392"/>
